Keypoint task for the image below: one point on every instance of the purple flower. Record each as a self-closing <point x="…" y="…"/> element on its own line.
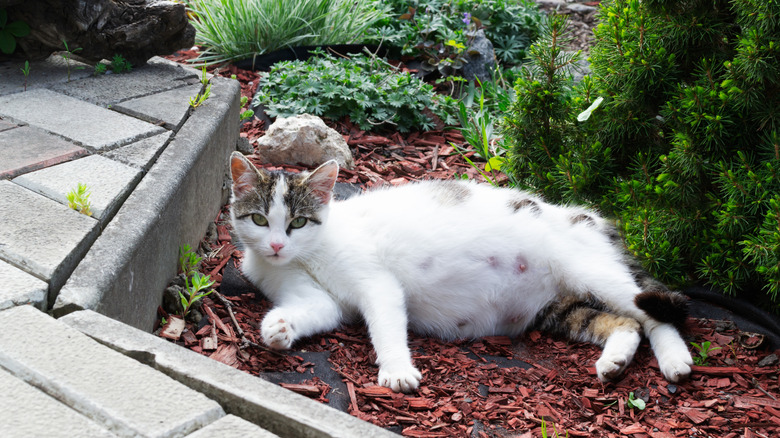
<point x="466" y="18"/>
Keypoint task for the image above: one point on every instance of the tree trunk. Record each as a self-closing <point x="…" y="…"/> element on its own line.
<point x="100" y="29"/>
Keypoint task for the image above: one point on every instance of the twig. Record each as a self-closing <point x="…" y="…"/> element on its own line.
<point x="244" y="341"/>
<point x="758" y="385"/>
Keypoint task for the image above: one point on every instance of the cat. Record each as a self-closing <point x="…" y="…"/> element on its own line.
<point x="452" y="259"/>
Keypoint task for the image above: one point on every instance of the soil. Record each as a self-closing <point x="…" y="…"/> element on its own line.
<point x="488" y="387"/>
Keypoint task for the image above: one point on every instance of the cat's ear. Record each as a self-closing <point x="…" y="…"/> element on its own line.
<point x="322" y="180"/>
<point x="244" y="174"/>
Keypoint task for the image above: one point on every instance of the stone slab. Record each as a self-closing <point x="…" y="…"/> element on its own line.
<point x="81" y="122"/>
<point x="43" y="73"/>
<point x="107" y="90"/>
<point x="25" y="149"/>
<point x="109" y="182"/>
<point x="7" y="125"/>
<point x="141" y="154"/>
<point x="256" y="400"/>
<point x="171" y="206"/>
<point x="28" y="412"/>
<point x="168" y="109"/>
<point x="41" y="236"/>
<point x="18" y="288"/>
<point x="117" y="392"/>
<point x="231" y="426"/>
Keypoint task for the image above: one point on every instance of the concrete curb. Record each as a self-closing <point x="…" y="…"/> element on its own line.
<point x="171" y="206"/>
<point x="263" y="403"/>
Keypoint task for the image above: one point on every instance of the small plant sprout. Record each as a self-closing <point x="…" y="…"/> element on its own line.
<point x="78" y="199"/>
<point x="204" y="79"/>
<point x="203" y="95"/>
<point x="704" y="349"/>
<point x="188" y="260"/>
<point x="100" y="68"/>
<point x="555" y="434"/>
<point x="195" y="287"/>
<point x="200" y="97"/>
<point x="120" y="65"/>
<point x="195" y="283"/>
<point x="634" y="402"/>
<point x="248" y="114"/>
<point x="26" y="72"/>
<point x="67" y="55"/>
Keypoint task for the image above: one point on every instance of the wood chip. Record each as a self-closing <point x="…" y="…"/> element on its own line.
<point x="307" y="390"/>
<point x="173" y="329"/>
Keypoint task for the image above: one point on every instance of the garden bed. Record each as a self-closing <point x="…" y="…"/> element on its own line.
<point x="492" y="386"/>
<point x="487" y="387"/>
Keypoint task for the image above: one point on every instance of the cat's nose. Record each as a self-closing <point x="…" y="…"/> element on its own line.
<point x="277" y="247"/>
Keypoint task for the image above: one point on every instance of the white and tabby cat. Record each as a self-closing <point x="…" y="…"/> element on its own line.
<point x="445" y="258"/>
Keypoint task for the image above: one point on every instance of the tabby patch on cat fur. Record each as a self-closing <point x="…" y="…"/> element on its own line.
<point x="450" y="259"/>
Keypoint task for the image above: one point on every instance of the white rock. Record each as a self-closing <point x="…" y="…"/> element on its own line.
<point x="303" y="139"/>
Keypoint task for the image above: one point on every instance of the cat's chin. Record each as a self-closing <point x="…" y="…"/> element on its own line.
<point x="276" y="260"/>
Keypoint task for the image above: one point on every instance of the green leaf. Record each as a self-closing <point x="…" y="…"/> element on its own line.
<point x="18" y="29"/>
<point x="494" y="163"/>
<point x="7" y="42"/>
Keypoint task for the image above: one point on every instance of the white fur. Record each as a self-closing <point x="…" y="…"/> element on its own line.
<point x="411" y="256"/>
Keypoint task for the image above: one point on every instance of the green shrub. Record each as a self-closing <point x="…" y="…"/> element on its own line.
<point x="684" y="151"/>
<point x="372" y="93"/>
<point x="237" y="29"/>
<point x="422" y="28"/>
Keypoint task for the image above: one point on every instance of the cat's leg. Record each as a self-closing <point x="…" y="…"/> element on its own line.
<point x="619" y="292"/>
<point x="671" y="351"/>
<point x="299" y="312"/>
<point x="587" y="320"/>
<point x="384" y="309"/>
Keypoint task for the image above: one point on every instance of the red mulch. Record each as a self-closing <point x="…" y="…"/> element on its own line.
<point x="464" y="392"/>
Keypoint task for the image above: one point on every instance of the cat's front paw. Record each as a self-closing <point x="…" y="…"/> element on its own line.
<point x="277" y="333"/>
<point x="611" y="366"/>
<point x="677" y="369"/>
<point x="404" y="378"/>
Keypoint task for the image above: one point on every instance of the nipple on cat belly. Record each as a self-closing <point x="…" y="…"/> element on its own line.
<point x="521" y="264"/>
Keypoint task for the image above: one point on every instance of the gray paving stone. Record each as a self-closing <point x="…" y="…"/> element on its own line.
<point x="231" y="426"/>
<point x="28" y="412"/>
<point x="107" y="90"/>
<point x="119" y="393"/>
<point x="109" y="182"/>
<point x="256" y="400"/>
<point x="18" y="288"/>
<point x="86" y="124"/>
<point x="168" y="108"/>
<point x="142" y="153"/>
<point x="41" y="236"/>
<point x="43" y="73"/>
<point x="25" y="149"/>
<point x="7" y="125"/>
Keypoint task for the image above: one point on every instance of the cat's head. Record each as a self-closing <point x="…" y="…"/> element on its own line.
<point x="279" y="215"/>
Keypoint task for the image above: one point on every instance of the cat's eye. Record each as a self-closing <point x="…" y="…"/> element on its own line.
<point x="298" y="222"/>
<point x="260" y="220"/>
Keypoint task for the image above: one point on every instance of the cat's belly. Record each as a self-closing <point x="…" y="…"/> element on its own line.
<point x="487" y="304"/>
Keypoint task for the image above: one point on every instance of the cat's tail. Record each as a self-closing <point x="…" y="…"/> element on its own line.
<point x="664" y="305"/>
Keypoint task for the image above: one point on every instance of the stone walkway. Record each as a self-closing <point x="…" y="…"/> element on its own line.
<point x="78" y="294"/>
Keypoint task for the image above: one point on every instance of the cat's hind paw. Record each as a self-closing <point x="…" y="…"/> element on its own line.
<point x="676" y="370"/>
<point x="400" y="378"/>
<point x="277" y="333"/>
